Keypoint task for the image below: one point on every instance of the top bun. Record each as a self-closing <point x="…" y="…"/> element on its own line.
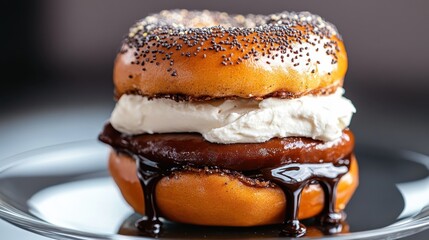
<point x="201" y="55"/>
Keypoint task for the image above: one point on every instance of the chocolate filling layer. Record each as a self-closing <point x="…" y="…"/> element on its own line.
<point x="191" y="148"/>
<point x="290" y="163"/>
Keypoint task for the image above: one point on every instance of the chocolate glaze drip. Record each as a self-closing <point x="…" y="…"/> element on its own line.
<point x="149" y="174"/>
<point x="291" y="177"/>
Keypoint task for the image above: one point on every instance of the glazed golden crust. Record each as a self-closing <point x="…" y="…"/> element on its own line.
<point x="219" y="196"/>
<point x="219" y="62"/>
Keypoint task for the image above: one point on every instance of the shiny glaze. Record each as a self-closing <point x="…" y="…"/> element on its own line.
<point x="191" y="148"/>
<point x="291" y="176"/>
<point x="149" y="175"/>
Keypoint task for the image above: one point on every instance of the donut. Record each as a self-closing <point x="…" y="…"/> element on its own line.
<point x="222" y="199"/>
<point x="232" y="120"/>
<point x="194" y="55"/>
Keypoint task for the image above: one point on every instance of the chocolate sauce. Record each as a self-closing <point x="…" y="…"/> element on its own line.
<point x="149" y="174"/>
<point x="290" y="177"/>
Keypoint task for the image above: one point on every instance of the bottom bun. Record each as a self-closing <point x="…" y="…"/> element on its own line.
<point x="221" y="199"/>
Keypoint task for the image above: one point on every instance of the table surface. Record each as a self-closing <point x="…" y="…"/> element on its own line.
<point x="34" y="129"/>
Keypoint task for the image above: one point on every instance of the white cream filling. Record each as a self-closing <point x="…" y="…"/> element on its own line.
<point x="237" y="121"/>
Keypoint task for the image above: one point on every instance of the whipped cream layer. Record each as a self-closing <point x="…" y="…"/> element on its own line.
<point x="237" y="121"/>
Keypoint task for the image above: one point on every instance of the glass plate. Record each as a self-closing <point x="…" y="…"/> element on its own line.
<point x="65" y="192"/>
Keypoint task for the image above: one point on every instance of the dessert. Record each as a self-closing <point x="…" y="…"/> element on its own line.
<point x="231" y="120"/>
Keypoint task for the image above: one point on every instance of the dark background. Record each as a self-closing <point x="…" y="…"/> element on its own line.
<point x="57" y="59"/>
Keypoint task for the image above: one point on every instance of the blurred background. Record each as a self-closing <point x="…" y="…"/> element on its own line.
<point x="57" y="59"/>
